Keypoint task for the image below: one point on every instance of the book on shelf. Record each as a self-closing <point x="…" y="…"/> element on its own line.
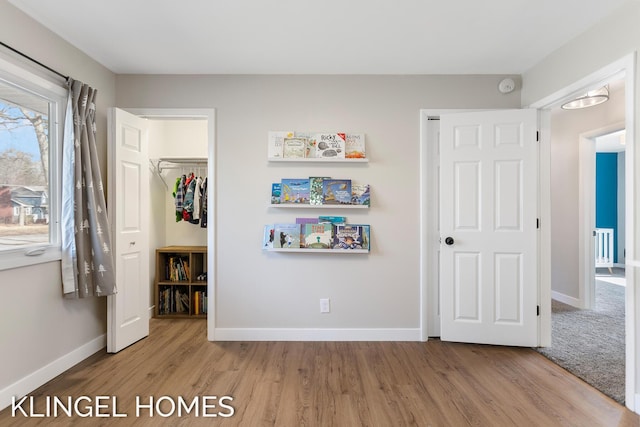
<point x="199" y="302"/>
<point x="336" y="191"/>
<point x="302" y="222"/>
<point x="334" y="220"/>
<point x="294" y="190"/>
<point x="330" y="145"/>
<point x="181" y="301"/>
<point x="355" y="146"/>
<point x="294" y="148"/>
<point x="276" y="191"/>
<point x="196" y="303"/>
<point x="318" y="236"/>
<point x="268" y="237"/>
<point x="310" y="138"/>
<point x="173" y="299"/>
<point x="360" y="194"/>
<point x="177" y="269"/>
<point x="276" y="142"/>
<point x="286" y="236"/>
<point x="315" y="189"/>
<point x="351" y="236"/>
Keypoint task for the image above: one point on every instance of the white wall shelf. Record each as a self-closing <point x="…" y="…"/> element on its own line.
<point x="317" y="160"/>
<point x="308" y="206"/>
<point x="320" y="251"/>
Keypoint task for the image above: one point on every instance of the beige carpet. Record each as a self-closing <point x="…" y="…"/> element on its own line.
<point x="590" y="343"/>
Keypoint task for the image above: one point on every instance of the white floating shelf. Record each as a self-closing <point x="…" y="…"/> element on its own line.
<point x="307" y="206"/>
<point x="317" y="160"/>
<point x="320" y="251"/>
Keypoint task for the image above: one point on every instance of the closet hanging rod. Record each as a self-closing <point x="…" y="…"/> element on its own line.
<point x="179" y="162"/>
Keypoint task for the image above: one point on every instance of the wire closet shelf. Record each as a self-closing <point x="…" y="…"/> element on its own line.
<point x="164" y="163"/>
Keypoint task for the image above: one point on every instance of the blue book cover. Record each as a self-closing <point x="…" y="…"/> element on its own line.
<point x="276" y="190"/>
<point x="294" y="190"/>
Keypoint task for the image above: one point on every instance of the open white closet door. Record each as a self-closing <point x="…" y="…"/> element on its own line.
<point x="128" y="205"/>
<point x="488" y="223"/>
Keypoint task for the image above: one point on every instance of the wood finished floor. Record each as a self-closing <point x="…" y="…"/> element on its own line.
<point x="328" y="384"/>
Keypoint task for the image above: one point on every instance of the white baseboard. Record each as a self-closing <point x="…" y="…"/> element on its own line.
<point x="575" y="302"/>
<point x="286" y="334"/>
<point x="38" y="378"/>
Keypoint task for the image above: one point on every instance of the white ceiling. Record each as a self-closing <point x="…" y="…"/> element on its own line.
<point x="318" y="37"/>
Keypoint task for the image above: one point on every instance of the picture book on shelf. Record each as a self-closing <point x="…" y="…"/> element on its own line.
<point x="360" y="194"/>
<point x="294" y="190"/>
<point x="303" y="222"/>
<point x="330" y="145"/>
<point x="294" y="148"/>
<point x="276" y="143"/>
<point x="286" y="236"/>
<point x="354" y="146"/>
<point x="318" y="236"/>
<point x="351" y="236"/>
<point x="336" y="191"/>
<point x="335" y="220"/>
<point x="310" y="138"/>
<point x="268" y="237"/>
<point x="315" y="189"/>
<point x="276" y="190"/>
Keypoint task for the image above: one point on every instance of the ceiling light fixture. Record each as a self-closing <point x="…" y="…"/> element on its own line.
<point x="591" y="98"/>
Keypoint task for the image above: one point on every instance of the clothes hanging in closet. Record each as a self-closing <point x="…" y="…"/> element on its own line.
<point x="203" y="204"/>
<point x="190" y="194"/>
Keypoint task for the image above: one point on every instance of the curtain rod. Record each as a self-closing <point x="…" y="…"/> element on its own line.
<point x="35" y="61"/>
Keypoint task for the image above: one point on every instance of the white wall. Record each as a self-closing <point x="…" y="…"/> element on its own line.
<point x="566" y="128"/>
<point x="259" y="291"/>
<point x="42" y="334"/>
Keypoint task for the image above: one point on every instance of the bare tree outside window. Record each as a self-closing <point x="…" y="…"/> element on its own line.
<point x="24" y="168"/>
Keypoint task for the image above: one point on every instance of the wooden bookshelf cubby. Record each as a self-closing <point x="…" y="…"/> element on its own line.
<point x="181" y="282"/>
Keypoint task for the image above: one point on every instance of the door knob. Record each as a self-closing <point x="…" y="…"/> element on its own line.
<point x="449" y="241"/>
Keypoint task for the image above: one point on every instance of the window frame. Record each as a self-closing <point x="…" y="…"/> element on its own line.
<point x="19" y="74"/>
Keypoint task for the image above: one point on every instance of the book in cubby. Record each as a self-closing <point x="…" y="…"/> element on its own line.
<point x="181" y="281"/>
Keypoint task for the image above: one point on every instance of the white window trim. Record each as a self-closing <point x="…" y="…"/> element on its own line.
<point x="16" y="73"/>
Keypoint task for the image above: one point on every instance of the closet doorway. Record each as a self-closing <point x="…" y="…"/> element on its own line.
<point x="180" y="141"/>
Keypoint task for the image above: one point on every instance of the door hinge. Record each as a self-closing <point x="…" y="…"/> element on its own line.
<point x="537" y="310"/>
<point x="537" y="222"/>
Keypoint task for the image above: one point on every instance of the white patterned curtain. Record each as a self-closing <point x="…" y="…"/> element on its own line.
<point x="87" y="262"/>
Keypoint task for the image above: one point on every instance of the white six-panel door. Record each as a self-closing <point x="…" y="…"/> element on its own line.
<point x="488" y="223"/>
<point x="128" y="310"/>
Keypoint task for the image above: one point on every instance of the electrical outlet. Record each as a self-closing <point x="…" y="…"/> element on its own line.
<point x="325" y="305"/>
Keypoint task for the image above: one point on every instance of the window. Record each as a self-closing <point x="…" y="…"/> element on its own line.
<point x="31" y="111"/>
